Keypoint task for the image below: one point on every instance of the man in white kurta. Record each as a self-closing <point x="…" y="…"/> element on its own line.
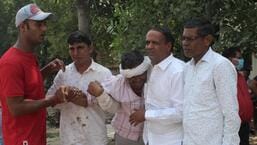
<point x="163" y="103"/>
<point x="210" y="114"/>
<point x="81" y="125"/>
<point x="163" y="91"/>
<point x="82" y="121"/>
<point x="210" y="106"/>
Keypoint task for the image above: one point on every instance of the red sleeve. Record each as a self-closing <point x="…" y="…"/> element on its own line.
<point x="12" y="80"/>
<point x="244" y="100"/>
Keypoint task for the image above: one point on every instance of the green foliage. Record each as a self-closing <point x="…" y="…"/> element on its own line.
<point x="7" y="28"/>
<point x="239" y="26"/>
<point x="64" y="22"/>
<point x="236" y="21"/>
<point x="120" y="25"/>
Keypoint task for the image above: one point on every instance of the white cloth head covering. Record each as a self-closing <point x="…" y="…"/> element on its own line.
<point x="140" y="69"/>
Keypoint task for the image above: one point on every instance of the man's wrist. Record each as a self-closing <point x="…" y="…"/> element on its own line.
<point x="80" y="100"/>
<point x="52" y="101"/>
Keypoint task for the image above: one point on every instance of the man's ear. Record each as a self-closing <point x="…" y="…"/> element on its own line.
<point x="91" y="48"/>
<point x="170" y="45"/>
<point x="208" y="40"/>
<point x="23" y="27"/>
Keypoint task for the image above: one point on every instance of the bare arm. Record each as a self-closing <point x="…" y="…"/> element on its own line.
<point x="20" y="106"/>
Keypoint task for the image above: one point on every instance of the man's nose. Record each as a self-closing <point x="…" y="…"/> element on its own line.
<point x="149" y="45"/>
<point x="75" y="51"/>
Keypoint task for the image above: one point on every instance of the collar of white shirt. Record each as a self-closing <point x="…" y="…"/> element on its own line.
<point x="165" y="63"/>
<point x="206" y="58"/>
<point x="93" y="66"/>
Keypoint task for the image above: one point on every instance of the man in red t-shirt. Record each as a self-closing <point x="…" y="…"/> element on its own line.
<point x="21" y="82"/>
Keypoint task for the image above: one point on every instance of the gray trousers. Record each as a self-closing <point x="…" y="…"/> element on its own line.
<point x="124" y="141"/>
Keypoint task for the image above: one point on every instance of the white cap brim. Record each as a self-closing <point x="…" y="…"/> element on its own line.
<point x="40" y="16"/>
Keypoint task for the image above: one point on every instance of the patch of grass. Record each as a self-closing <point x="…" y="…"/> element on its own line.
<point x="52" y="134"/>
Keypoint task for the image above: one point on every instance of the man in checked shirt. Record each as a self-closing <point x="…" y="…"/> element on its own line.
<point x="123" y="95"/>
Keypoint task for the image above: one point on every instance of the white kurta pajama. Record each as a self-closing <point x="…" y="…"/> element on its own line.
<point x="81" y="125"/>
<point x="210" y="115"/>
<point x="163" y="103"/>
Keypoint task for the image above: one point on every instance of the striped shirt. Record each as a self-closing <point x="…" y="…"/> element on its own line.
<point x="121" y="92"/>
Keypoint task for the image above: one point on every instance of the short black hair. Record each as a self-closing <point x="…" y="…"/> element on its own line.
<point x="231" y="51"/>
<point x="78" y="37"/>
<point x="166" y="32"/>
<point x="131" y="59"/>
<point x="203" y="25"/>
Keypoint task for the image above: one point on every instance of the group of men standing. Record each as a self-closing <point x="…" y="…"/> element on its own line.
<point x="190" y="104"/>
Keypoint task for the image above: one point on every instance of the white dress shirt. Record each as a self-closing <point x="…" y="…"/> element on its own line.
<point x="80" y="125"/>
<point x="163" y="103"/>
<point x="210" y="114"/>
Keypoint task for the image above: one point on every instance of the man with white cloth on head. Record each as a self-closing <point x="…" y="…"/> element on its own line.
<point x="122" y="95"/>
<point x="163" y="92"/>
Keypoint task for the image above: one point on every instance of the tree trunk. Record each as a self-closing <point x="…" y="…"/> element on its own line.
<point x="212" y="8"/>
<point x="83" y="10"/>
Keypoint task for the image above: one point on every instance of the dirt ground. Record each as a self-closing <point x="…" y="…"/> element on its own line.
<point x="53" y="136"/>
<point x="253" y="140"/>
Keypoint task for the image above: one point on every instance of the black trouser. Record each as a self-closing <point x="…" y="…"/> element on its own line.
<point x="244" y="133"/>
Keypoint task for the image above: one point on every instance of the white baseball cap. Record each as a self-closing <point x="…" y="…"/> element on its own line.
<point x="31" y="12"/>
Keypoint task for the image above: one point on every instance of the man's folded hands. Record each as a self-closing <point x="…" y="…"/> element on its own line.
<point x="71" y="94"/>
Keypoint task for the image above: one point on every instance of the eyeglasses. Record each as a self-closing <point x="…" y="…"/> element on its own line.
<point x="190" y="39"/>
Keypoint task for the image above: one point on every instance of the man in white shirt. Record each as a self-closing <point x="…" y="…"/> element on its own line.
<point x="210" y="114"/>
<point x="163" y="92"/>
<point x="82" y="121"/>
